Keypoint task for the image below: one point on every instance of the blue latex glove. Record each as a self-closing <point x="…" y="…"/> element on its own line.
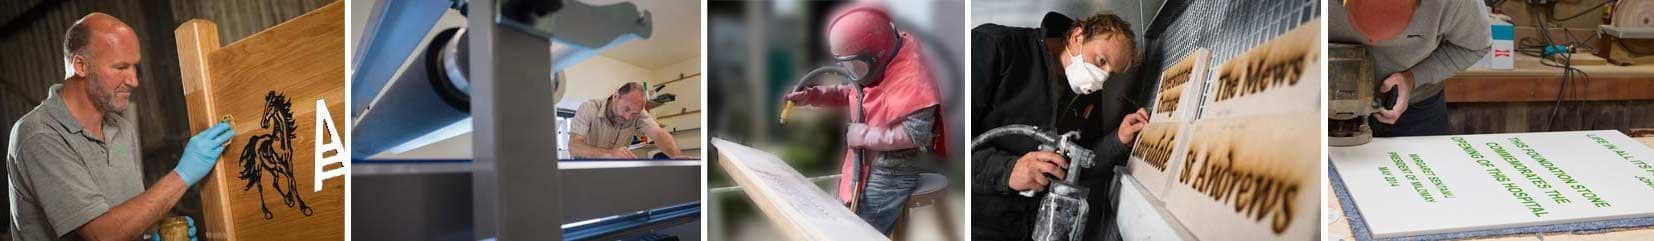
<point x="192" y="226"/>
<point x="157" y="235"/>
<point x="202" y="153"/>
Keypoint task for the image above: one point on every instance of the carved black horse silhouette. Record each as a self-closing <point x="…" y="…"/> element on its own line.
<point x="273" y="153"/>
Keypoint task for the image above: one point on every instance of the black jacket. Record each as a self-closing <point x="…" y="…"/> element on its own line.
<point x="1016" y="81"/>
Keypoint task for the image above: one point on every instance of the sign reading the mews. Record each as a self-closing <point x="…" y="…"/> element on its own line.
<point x="1440" y="184"/>
<point x="1215" y="152"/>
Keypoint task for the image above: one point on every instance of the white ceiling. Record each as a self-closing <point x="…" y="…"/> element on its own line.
<point x="676" y="36"/>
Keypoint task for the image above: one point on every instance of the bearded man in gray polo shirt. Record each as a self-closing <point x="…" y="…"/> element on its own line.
<point x="1416" y="45"/>
<point x="73" y="161"/>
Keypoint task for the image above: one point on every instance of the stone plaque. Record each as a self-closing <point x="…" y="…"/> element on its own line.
<point x="1411" y="186"/>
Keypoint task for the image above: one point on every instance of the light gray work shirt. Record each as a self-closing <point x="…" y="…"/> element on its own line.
<point x="61" y="177"/>
<point x="1444" y="37"/>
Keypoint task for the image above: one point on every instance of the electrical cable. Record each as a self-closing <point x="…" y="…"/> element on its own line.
<point x="1552" y="54"/>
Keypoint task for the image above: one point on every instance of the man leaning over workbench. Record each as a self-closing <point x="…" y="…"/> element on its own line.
<point x="1055" y="77"/>
<point x="604" y="128"/>
<point x="73" y="161"/>
<point x="1415" y="45"/>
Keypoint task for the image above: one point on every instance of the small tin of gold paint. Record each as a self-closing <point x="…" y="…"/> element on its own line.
<point x="175" y="228"/>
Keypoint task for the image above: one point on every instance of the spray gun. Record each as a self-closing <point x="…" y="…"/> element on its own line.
<point x="1062" y="212"/>
<point x="856" y="176"/>
<point x="808" y="80"/>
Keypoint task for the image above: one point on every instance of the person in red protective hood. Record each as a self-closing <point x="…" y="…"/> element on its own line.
<point x="900" y="130"/>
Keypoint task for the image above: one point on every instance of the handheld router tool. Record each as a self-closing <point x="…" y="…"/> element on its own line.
<point x="1353" y="95"/>
<point x="1062" y="212"/>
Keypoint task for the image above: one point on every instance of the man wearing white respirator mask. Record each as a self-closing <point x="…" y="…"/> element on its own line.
<point x="1058" y="78"/>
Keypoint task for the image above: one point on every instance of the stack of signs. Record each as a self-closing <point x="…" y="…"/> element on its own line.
<point x="1443" y="185"/>
<point x="282" y="177"/>
<point x="1244" y="163"/>
<point x="1161" y="142"/>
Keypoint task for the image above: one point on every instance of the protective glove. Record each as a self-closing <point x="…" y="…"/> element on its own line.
<point x="859" y="135"/>
<point x="835" y="95"/>
<point x="191" y="221"/>
<point x="202" y="153"/>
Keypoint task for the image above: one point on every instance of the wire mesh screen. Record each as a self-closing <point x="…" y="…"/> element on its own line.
<point x="1228" y="28"/>
<point x="1225" y="27"/>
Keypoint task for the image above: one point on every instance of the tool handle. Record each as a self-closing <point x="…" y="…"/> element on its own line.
<point x="1387" y="100"/>
<point x="1051" y="182"/>
<point x="786" y="110"/>
<point x="1043" y="147"/>
<point x="807" y="80"/>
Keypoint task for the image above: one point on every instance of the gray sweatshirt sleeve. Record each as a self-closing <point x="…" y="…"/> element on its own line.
<point x="920" y="128"/>
<point x="1465" y="39"/>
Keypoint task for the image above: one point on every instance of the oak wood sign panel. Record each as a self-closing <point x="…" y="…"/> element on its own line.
<point x="283" y="176"/>
<point x="795" y="205"/>
<point x="1232" y="161"/>
<point x="1162" y="144"/>
<point x="1251" y="167"/>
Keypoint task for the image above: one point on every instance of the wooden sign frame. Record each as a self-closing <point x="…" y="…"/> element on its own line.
<point x="794" y="204"/>
<point x="299" y="66"/>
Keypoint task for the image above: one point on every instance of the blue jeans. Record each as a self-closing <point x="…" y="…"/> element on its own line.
<point x="887" y="191"/>
<point x="1426" y="118"/>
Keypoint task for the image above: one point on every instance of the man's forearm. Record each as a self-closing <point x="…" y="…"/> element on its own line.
<point x="580" y="149"/>
<point x="664" y="140"/>
<point x="1446" y="61"/>
<point x="130" y="219"/>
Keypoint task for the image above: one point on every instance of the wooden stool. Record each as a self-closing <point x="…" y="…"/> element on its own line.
<point x="932" y="190"/>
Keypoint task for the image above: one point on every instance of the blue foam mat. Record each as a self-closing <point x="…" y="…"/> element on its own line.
<point x="1358" y="224"/>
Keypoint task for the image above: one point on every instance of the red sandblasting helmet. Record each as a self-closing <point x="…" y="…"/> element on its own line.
<point x="863" y="39"/>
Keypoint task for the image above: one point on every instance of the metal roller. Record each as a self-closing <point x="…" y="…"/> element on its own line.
<point x="432" y="94"/>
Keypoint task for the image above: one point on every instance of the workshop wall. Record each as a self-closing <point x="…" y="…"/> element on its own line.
<point x="1588" y="18"/>
<point x="597" y="78"/>
<point x="1581" y="27"/>
<point x="32" y="37"/>
<point x="686" y="128"/>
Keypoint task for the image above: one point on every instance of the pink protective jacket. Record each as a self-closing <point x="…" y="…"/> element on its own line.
<point x="907" y="87"/>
